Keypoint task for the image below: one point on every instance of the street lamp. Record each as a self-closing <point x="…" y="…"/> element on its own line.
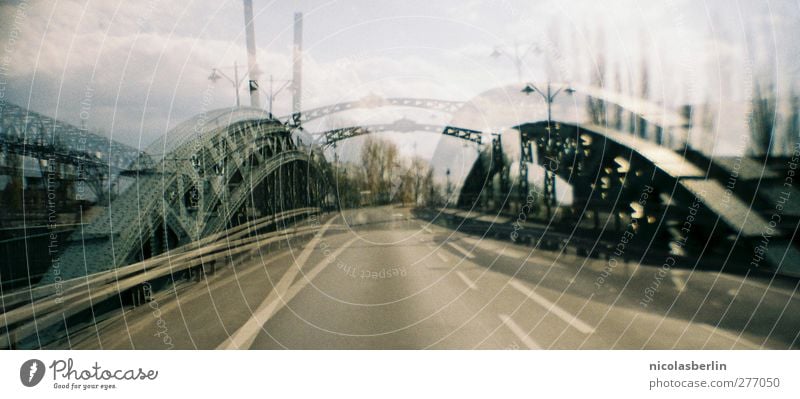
<point x="550" y="168"/>
<point x="517" y="57"/>
<point x="548" y="96"/>
<point x="217" y="74"/>
<point x="448" y="189"/>
<point x="274" y="93"/>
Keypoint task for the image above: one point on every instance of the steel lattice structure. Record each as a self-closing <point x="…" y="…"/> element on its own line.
<point x="331" y="137"/>
<point x="22" y="127"/>
<point x="209" y="174"/>
<point x="72" y="152"/>
<point x="375" y="102"/>
<point x="654" y="191"/>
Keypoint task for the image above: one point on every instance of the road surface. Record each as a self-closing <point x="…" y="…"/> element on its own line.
<point x="379" y="278"/>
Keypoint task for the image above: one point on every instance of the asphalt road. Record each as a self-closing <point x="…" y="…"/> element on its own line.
<point x="378" y="278"/>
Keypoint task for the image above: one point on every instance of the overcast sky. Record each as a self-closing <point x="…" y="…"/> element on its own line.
<point x="144" y="64"/>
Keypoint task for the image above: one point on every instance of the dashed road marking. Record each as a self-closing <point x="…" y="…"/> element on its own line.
<point x="553" y="308"/>
<point x="519" y="332"/>
<point x="680" y="285"/>
<point x="463" y="251"/>
<point x="466" y="280"/>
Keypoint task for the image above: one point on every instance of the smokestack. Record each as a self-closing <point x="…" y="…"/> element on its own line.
<point x="297" y="67"/>
<point x="253" y="71"/>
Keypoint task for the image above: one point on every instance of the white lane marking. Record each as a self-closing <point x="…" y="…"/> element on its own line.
<point x="680" y="285"/>
<point x="308" y="277"/>
<point x="760" y="286"/>
<point x="467" y="281"/>
<point x="426" y="228"/>
<point x="483" y="243"/>
<point x="514" y="253"/>
<point x="398" y="215"/>
<point x="504" y="250"/>
<point x="724" y="333"/>
<point x="442" y="257"/>
<point x="243" y="337"/>
<point x="519" y="332"/>
<point x="461" y="249"/>
<point x="553" y="308"/>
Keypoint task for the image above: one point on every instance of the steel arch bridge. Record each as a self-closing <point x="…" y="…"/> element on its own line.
<point x="221" y="166"/>
<point x="73" y="152"/>
<point x="623" y="185"/>
<point x="211" y="172"/>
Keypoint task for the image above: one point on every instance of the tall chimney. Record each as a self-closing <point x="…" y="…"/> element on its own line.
<point x="253" y="71"/>
<point x="297" y="66"/>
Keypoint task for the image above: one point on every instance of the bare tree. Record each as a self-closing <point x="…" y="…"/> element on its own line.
<point x="12" y="195"/>
<point x="644" y="92"/>
<point x="618" y="108"/>
<point x="792" y="133"/>
<point x="597" y="106"/>
<point x="379" y="159"/>
<point x="762" y="120"/>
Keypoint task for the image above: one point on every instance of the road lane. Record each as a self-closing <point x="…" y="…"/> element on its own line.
<point x="245" y="335"/>
<point x="383" y="281"/>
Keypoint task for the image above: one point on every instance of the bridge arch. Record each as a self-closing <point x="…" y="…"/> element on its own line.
<point x="374" y="101"/>
<point x="621" y="181"/>
<point x="206" y="172"/>
<point x="333" y="136"/>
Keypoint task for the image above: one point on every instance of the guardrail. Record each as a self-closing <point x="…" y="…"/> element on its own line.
<point x="39" y="311"/>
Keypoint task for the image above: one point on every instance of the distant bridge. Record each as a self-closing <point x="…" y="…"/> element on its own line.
<point x="372" y="101"/>
<point x="69" y="151"/>
<point x="23" y="127"/>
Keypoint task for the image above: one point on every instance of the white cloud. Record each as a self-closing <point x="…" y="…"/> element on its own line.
<point x="148" y="61"/>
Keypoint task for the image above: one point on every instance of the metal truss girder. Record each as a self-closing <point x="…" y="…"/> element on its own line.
<point x="32" y="129"/>
<point x="237" y="198"/>
<point x="116" y="236"/>
<point x="375" y="102"/>
<point x="404" y="126"/>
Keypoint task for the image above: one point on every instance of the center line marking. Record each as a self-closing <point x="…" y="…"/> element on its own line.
<point x="243" y="337"/>
<point x="680" y="285"/>
<point x="553" y="308"/>
<point x="519" y="332"/>
<point x="442" y="257"/>
<point x="427" y="229"/>
<point x="462" y="250"/>
<point x="467" y="281"/>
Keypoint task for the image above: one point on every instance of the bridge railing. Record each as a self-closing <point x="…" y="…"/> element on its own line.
<point x="547" y="237"/>
<point x="44" y="311"/>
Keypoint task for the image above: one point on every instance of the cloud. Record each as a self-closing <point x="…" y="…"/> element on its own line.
<point x="147" y="62"/>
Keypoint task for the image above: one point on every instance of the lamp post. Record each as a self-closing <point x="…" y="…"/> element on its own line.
<point x="274" y="93"/>
<point x="217" y="74"/>
<point x="517" y="56"/>
<point x="448" y="189"/>
<point x="548" y="96"/>
<point x="527" y="156"/>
